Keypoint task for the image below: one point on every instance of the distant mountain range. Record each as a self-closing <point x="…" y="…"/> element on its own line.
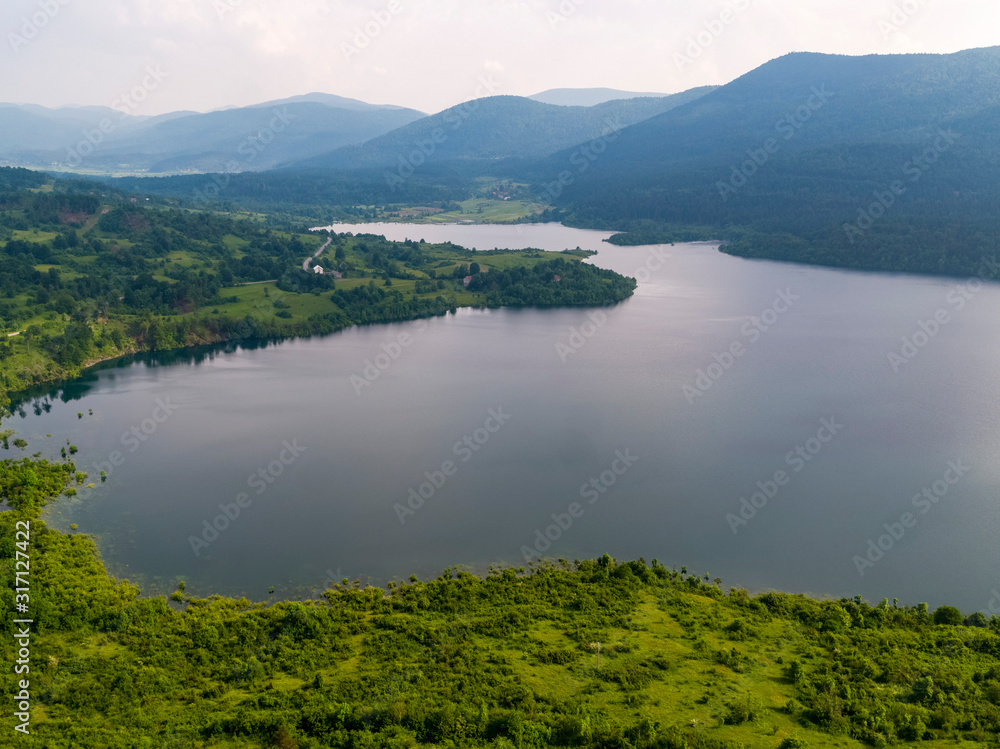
<point x="237" y="139"/>
<point x="316" y="131"/>
<point x="887" y="162"/>
<point x="496" y="128"/>
<point x="588" y="97"/>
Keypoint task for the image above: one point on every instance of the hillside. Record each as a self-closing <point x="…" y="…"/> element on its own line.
<point x="784" y="159"/>
<point x="882" y="162"/>
<point x="592" y="653"/>
<point x="496" y="128"/>
<point x="231" y="140"/>
<point x="87" y="274"/>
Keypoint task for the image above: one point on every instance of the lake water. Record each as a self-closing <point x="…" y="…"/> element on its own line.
<point x="811" y="349"/>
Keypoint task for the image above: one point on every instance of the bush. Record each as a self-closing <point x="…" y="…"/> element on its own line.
<point x="746" y="710"/>
<point x="792" y="743"/>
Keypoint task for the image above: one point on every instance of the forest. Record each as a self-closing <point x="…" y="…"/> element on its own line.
<point x="89" y="273"/>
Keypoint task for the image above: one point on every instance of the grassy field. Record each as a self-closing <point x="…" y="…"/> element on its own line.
<point x="258" y="300"/>
<point x="34" y="235"/>
<point x="474" y="210"/>
<point x="485" y="211"/>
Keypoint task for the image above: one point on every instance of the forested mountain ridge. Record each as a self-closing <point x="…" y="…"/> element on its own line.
<point x="498" y="127"/>
<point x="875" y="98"/>
<point x="785" y="160"/>
<point x="882" y="162"/>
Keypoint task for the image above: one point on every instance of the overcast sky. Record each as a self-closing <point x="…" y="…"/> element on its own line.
<point x="432" y="54"/>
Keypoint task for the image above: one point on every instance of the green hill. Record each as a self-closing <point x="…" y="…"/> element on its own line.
<point x="786" y="159"/>
<point x="87" y="274"/>
<point x="495" y="128"/>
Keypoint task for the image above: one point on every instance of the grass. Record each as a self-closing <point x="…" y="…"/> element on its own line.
<point x="184" y="258"/>
<point x="34" y="235"/>
<point x="67" y="274"/>
<point x="485" y="211"/>
<point x="258" y="301"/>
<point x="235" y="244"/>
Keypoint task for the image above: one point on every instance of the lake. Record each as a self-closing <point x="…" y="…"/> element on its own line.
<point x="742" y="418"/>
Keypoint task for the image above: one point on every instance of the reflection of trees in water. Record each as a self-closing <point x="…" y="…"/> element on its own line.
<point x="37" y="405"/>
<point x="41" y="397"/>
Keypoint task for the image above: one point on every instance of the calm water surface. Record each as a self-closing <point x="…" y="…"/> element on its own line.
<point x="814" y="346"/>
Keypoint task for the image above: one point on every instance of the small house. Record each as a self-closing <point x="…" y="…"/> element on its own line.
<point x="318" y="270"/>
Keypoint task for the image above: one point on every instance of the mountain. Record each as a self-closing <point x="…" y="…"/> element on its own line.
<point x="251" y="138"/>
<point x="880" y="162"/>
<point x="496" y="128"/>
<point x="588" y="97"/>
<point x="331" y="100"/>
<point x="26" y="127"/>
<point x="240" y="139"/>
<point x="787" y="158"/>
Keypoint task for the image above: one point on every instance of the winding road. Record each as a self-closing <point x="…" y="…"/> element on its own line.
<point x="305" y="264"/>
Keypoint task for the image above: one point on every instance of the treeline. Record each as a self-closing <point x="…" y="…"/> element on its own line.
<point x="552" y="283"/>
<point x="320" y="193"/>
<point x="925" y="206"/>
<point x="375" y="304"/>
<point x="130" y="247"/>
<point x="88" y="273"/>
<point x="16" y="178"/>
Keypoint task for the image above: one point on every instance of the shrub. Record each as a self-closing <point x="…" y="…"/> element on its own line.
<point x="793" y="743"/>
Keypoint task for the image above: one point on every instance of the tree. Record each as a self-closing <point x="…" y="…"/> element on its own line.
<point x="978" y="619"/>
<point x="948" y="615"/>
<point x="283" y="739"/>
<point x="31" y="333"/>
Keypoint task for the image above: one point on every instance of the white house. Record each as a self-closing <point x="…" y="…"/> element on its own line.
<point x="318" y="270"/>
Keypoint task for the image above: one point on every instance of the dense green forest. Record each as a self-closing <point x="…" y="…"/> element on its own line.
<point x="321" y="195"/>
<point x="495" y="127"/>
<point x="876" y="162"/>
<point x="596" y="653"/>
<point x="89" y="273"/>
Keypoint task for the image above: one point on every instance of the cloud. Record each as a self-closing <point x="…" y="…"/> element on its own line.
<point x="430" y="53"/>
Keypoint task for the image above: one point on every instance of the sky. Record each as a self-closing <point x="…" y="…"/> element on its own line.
<point x="170" y="55"/>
